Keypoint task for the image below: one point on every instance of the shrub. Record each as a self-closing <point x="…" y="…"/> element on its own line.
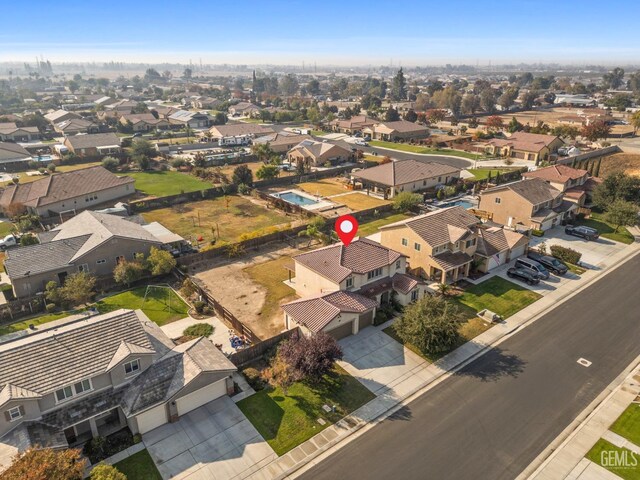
<point x="102" y="471"/>
<point x="160" y="262"/>
<point x="254" y="378"/>
<point x="28" y="240"/>
<point x="537" y="233"/>
<point x="199" y="306"/>
<point x="50" y="307"/>
<point x="565" y="254"/>
<point x="380" y="318"/>
<point x="244" y="189"/>
<point x="406" y="201"/>
<point x="310" y="357"/>
<point x="110" y="163"/>
<point x="198" y="330"/>
<point x="188" y="288"/>
<point x="51" y="167"/>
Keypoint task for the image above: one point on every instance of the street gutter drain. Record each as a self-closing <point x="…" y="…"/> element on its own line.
<point x="584" y="362"/>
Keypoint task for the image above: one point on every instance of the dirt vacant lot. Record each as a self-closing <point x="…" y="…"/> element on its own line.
<point x="625" y="162"/>
<point x="251" y="287"/>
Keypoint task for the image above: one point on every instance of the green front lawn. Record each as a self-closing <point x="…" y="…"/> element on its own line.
<point x="5" y="228"/>
<point x="405" y="147"/>
<point x="162" y="305"/>
<point x="607" y="230"/>
<point x="607" y="454"/>
<point x="162" y="184"/>
<point x="483" y="173"/>
<point x="286" y="421"/>
<point x="628" y="424"/>
<point x="498" y="295"/>
<point x="139" y="466"/>
<point x="371" y="226"/>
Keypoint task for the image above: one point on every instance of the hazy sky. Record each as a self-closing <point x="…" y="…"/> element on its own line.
<point x="336" y="32"/>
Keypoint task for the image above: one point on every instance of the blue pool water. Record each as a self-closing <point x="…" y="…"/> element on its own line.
<point x="294" y="198"/>
<point x="458" y="203"/>
<point x="43" y="158"/>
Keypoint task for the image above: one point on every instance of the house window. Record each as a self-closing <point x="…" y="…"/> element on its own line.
<point x="416" y="246"/>
<point x="132" y="367"/>
<point x="439" y="179"/>
<point x="349" y="282"/>
<point x="100" y="262"/>
<point x="424" y="183"/>
<point x="83" y="268"/>
<point x="83" y="386"/>
<point x="497" y="199"/>
<point x="14" y="413"/>
<point x="374" y="273"/>
<point x="414" y="295"/>
<point x="398" y="264"/>
<point x="64" y="394"/>
<point x="405" y="242"/>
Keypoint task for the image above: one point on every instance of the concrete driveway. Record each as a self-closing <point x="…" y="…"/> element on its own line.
<point x="377" y="360"/>
<point x="213" y="442"/>
<point x="594" y="254"/>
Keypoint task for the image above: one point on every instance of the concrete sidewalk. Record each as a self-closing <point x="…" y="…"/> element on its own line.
<point x="424" y="376"/>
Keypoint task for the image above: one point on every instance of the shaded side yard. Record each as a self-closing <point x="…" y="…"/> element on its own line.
<point x="286" y="421"/>
<point x="225" y="218"/>
<point x="372" y="226"/>
<point x="162" y="184"/>
<point x="162" y="306"/>
<point x="139" y="466"/>
<point x="607" y="230"/>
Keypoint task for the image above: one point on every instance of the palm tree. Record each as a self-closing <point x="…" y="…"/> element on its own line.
<point x="444" y="289"/>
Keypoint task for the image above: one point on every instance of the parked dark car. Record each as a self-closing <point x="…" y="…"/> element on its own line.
<point x="523" y="275"/>
<point x="533" y="267"/>
<point x="550" y="263"/>
<point x="587" y="233"/>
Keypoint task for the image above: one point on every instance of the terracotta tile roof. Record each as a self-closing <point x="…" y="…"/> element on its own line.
<point x="315" y="313"/>
<point x="401" y="126"/>
<point x="451" y="260"/>
<point x="319" y="149"/>
<point x="533" y="190"/>
<point x="492" y="241"/>
<point x="337" y="262"/>
<point x="530" y="142"/>
<point x="404" y="283"/>
<point x="556" y="173"/>
<point x="404" y="171"/>
<point x="94" y="140"/>
<point x="439" y="227"/>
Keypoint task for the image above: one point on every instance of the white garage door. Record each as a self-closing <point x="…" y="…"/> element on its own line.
<point x="200" y="397"/>
<point x="151" y="419"/>
<point x="517" y="252"/>
<point x="497" y="260"/>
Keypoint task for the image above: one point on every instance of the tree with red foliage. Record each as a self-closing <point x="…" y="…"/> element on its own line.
<point x="494" y="122"/>
<point x="312" y="357"/>
<point x="46" y="464"/>
<point x="436" y="115"/>
<point x="596" y="130"/>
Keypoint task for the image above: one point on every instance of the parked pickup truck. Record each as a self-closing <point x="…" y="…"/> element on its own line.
<point x="587" y="233"/>
<point x="8" y="242"/>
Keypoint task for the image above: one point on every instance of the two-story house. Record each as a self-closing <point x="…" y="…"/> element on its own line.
<point x="529" y="203"/>
<point x="342" y="286"/>
<point x="87" y="376"/>
<point x="442" y="245"/>
<point x="576" y="184"/>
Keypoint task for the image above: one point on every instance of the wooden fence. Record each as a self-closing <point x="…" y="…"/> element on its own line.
<point x="242" y="357"/>
<point x="220" y="310"/>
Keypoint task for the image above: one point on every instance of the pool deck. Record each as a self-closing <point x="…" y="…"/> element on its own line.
<point x="319" y="204"/>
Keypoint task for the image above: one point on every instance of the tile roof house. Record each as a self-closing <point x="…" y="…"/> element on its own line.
<point x="91" y="242"/>
<point x="94" y="144"/>
<point x="60" y="116"/>
<point x="9" y="131"/>
<point x="526" y="204"/>
<point x="352" y="125"/>
<point x="525" y="146"/>
<point x="317" y="154"/>
<point x="68" y="191"/>
<point x="391" y="178"/>
<point x="74" y="126"/>
<point x="575" y="183"/>
<point x="206" y="103"/>
<point x="239" y="129"/>
<point x="394" y="131"/>
<point x="192" y="119"/>
<point x="143" y="122"/>
<point x="88" y="376"/>
<point x="244" y="109"/>
<point x="442" y="245"/>
<point x="280" y="142"/>
<point x="12" y="153"/>
<point x="342" y="286"/>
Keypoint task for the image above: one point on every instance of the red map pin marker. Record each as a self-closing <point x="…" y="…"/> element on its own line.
<point x="346" y="228"/>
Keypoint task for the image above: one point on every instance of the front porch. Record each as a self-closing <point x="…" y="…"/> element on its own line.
<point x="101" y="425"/>
<point x="449" y="267"/>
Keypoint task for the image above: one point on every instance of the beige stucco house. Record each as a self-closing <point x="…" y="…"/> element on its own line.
<point x="576" y="184"/>
<point x="9" y="131"/>
<point x="528" y="204"/>
<point x="87" y="376"/>
<point x="443" y="245"/>
<point x="317" y="154"/>
<point x="342" y="286"/>
<point x="394" y="131"/>
<point x="352" y="125"/>
<point x="534" y="147"/>
<point x="391" y="178"/>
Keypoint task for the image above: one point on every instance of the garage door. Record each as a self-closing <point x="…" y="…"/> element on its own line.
<point x="151" y="419"/>
<point x="366" y="319"/>
<point x="342" y="331"/>
<point x="200" y="397"/>
<point x="517" y="252"/>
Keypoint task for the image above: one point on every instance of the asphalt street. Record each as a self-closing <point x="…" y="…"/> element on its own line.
<point x="492" y="418"/>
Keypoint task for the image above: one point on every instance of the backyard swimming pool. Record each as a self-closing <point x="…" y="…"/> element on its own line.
<point x="295" y="198"/>
<point x="458" y="203"/>
<point x="43" y="158"/>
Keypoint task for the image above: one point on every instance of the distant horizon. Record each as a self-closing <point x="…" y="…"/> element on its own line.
<point x="358" y="34"/>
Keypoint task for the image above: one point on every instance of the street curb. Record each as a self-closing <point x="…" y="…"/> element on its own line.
<point x="411" y="395"/>
<point x="574" y="428"/>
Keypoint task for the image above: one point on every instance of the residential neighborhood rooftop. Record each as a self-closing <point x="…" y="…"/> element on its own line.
<point x="404" y="171"/>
